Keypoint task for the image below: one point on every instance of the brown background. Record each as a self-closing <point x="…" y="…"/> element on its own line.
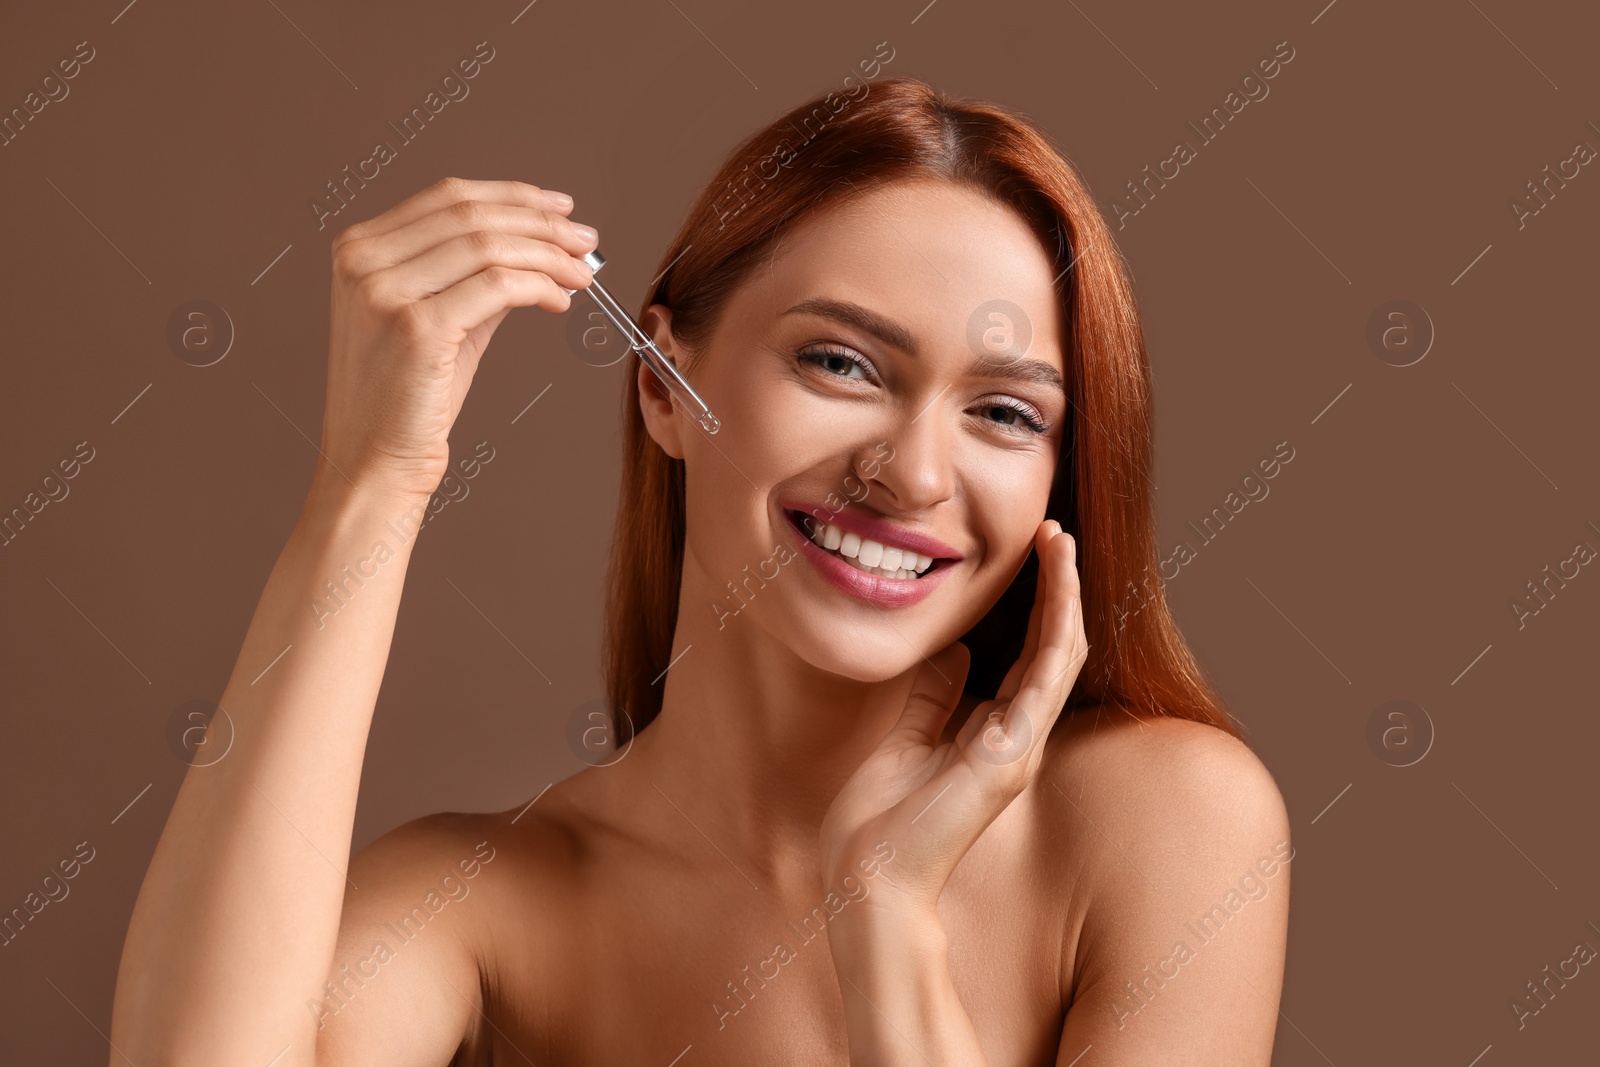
<point x="1381" y="565"/>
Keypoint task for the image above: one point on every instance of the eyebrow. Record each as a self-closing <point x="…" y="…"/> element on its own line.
<point x="892" y="333"/>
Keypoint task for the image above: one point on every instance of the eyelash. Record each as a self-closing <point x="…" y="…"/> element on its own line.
<point x="1030" y="416"/>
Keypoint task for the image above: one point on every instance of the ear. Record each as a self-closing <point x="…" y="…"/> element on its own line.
<point x="663" y="421"/>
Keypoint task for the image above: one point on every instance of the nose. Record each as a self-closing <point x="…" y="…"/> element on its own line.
<point x="914" y="468"/>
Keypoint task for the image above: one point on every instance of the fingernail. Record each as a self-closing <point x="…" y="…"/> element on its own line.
<point x="588" y="233"/>
<point x="561" y="199"/>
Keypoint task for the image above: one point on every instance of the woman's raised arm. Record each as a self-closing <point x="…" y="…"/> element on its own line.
<point x="251" y="906"/>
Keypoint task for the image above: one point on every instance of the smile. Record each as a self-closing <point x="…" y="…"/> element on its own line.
<point x="891" y="574"/>
<point x="872" y="557"/>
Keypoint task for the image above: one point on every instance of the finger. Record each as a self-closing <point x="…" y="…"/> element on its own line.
<point x="992" y="711"/>
<point x="1062" y="634"/>
<point x="1030" y="645"/>
<point x="458" y="258"/>
<point x="940" y="820"/>
<point x="1054" y="668"/>
<point x="488" y="224"/>
<point x="450" y="190"/>
<point x="468" y="303"/>
<point x="935" y="692"/>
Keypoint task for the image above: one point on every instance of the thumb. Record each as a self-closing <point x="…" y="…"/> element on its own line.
<point x="934" y="693"/>
<point x="477" y="339"/>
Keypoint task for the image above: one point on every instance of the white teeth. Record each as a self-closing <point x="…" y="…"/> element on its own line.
<point x="867" y="555"/>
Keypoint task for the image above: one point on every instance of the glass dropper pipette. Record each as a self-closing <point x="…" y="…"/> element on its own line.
<point x="640" y="342"/>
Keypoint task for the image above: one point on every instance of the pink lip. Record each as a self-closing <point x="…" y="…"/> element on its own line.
<point x="887" y="592"/>
<point x="885" y="533"/>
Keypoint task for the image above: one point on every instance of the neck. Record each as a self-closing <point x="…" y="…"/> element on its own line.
<point x="753" y="743"/>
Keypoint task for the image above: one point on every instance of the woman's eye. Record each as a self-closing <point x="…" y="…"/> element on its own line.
<point x="1016" y="418"/>
<point x="835" y="362"/>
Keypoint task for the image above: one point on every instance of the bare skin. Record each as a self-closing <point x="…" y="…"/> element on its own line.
<point x="602" y="922"/>
<point x="607" y="927"/>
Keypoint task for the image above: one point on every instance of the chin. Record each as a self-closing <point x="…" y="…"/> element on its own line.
<point x="867" y="654"/>
<point x="853" y="664"/>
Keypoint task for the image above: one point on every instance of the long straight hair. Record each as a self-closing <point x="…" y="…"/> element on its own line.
<point x="840" y="145"/>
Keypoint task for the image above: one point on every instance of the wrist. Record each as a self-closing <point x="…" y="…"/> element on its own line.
<point x="334" y="488"/>
<point x="870" y="942"/>
<point x="900" y="1002"/>
<point x="337" y="504"/>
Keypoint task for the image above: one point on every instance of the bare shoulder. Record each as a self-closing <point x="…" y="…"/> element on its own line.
<point x="427" y="905"/>
<point x="1180" y="831"/>
<point x="446" y="854"/>
<point x="513" y="861"/>
<point x="405" y="981"/>
<point x="418" y="840"/>
<point x="1178" y="772"/>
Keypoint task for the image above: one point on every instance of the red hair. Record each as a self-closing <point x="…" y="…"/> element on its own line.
<point x="903" y="129"/>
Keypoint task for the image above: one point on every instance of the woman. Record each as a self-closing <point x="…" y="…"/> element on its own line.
<point x="853" y="824"/>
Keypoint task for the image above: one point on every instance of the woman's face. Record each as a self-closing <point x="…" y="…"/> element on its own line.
<point x="935" y="430"/>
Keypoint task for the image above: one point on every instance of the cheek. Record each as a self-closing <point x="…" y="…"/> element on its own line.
<point x="1009" y="499"/>
<point x="808" y="427"/>
<point x="1009" y="487"/>
<point x="800" y="412"/>
<point x="776" y="429"/>
<point x="731" y="483"/>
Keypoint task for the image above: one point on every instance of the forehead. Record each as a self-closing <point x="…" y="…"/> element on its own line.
<point x="929" y="253"/>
